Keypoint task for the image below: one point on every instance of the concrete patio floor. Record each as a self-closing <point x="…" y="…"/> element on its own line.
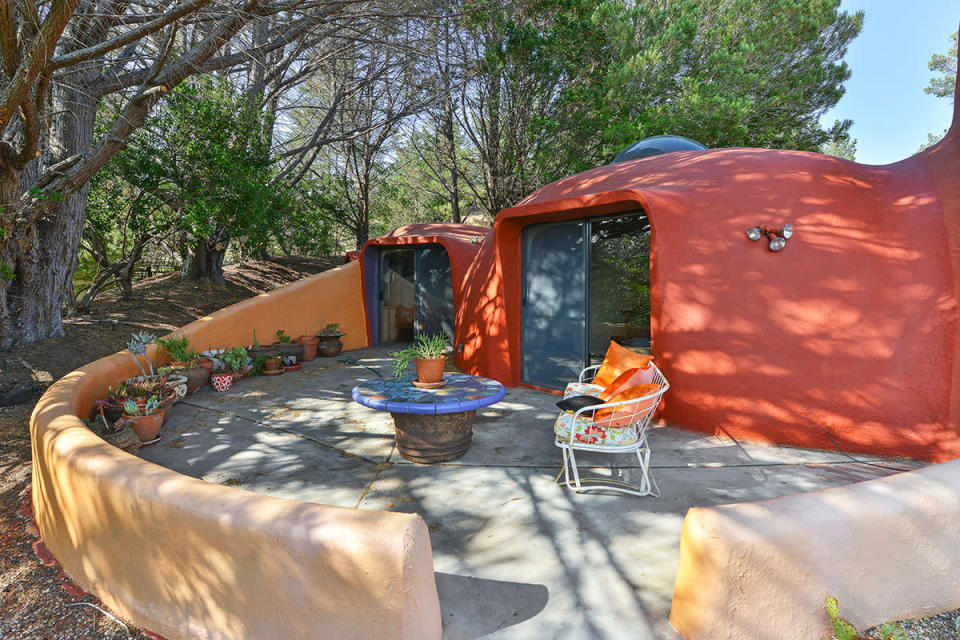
<point x="516" y="556"/>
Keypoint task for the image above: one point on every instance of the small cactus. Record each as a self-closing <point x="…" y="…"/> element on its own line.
<point x="832" y="607"/>
<point x="844" y="630"/>
<point x="892" y="632"/>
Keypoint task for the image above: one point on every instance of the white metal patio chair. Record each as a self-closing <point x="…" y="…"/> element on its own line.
<point x="621" y="427"/>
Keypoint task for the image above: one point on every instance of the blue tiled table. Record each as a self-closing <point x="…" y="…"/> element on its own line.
<point x="432" y="425"/>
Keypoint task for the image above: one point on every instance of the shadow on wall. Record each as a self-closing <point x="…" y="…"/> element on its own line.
<point x="846" y="333"/>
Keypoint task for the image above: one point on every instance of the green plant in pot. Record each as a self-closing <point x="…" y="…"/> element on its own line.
<point x="272" y="365"/>
<point x="145" y="419"/>
<point x="426" y="353"/>
<point x="138" y="348"/>
<point x="329" y="344"/>
<point x="237" y="361"/>
<point x="285" y="346"/>
<point x="257" y="351"/>
<point x="184" y="361"/>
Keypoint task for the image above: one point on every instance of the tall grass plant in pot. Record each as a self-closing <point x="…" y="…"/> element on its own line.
<point x="427" y="354"/>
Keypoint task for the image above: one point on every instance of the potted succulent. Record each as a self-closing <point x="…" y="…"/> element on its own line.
<point x="145" y="419"/>
<point x="286" y="347"/>
<point x="140" y="391"/>
<point x="329" y="341"/>
<point x="427" y="353"/>
<point x="112" y="406"/>
<point x="185" y="361"/>
<point x="138" y="347"/>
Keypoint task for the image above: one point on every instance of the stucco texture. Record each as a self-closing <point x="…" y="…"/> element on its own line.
<point x="191" y="560"/>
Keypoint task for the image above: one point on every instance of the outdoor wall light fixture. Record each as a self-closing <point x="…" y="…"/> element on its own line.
<point x="778" y="239"/>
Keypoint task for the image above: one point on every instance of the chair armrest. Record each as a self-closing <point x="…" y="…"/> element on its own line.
<point x="585" y="374"/>
<point x="643" y="416"/>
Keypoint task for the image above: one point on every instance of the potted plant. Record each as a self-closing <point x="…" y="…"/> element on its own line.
<point x="184" y="361"/>
<point x="256" y="350"/>
<point x="272" y="366"/>
<point x="116" y="432"/>
<point x="221" y="380"/>
<point x="237" y="361"/>
<point x="145" y="419"/>
<point x="309" y="344"/>
<point x="286" y="347"/>
<point x="427" y="352"/>
<point x="329" y="341"/>
<point x="112" y="406"/>
<point x="137" y="348"/>
<point x="290" y="363"/>
<point x="139" y="392"/>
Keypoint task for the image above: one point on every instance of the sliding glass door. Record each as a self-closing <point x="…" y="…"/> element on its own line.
<point x="585" y="282"/>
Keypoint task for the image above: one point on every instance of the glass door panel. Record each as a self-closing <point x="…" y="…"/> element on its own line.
<point x="554" y="303"/>
<point x="434" y="292"/>
<point x="397" y="275"/>
<point x="619" y="284"/>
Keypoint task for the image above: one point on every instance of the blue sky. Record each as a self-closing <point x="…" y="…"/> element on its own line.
<point x="891" y="114"/>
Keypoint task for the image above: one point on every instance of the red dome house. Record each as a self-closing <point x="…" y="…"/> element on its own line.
<point x="847" y="336"/>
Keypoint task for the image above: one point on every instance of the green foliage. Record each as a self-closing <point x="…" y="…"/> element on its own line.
<point x="178" y="348"/>
<point x="282" y="337"/>
<point x="7" y="271"/>
<point x="332" y="329"/>
<point x="43" y="194"/>
<point x="235" y="359"/>
<point x="845" y="148"/>
<point x="424" y="346"/>
<point x="944" y="85"/>
<point x="131" y="408"/>
<point x="844" y="630"/>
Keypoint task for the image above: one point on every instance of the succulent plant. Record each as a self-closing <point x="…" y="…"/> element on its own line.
<point x="138" y="347"/>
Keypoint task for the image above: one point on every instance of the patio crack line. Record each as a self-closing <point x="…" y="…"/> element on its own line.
<point x="344" y="452"/>
<point x="383" y="466"/>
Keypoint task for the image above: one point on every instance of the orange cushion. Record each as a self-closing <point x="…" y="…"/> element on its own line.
<point x="617" y="360"/>
<point x="628" y="413"/>
<point x="626" y="379"/>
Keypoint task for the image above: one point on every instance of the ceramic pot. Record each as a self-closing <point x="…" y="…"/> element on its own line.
<point x="207" y="364"/>
<point x="112" y="412"/>
<point x="430" y="369"/>
<point x="272" y="366"/>
<point x="221" y="381"/>
<point x="196" y="378"/>
<point x="329" y="346"/>
<point x="147" y="427"/>
<point x="309" y="344"/>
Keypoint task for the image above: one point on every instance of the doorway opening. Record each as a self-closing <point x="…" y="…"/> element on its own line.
<point x="585" y="282"/>
<point x="415" y="293"/>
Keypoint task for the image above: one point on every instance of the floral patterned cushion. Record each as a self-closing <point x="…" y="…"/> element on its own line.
<point x="589" y="433"/>
<point x="582" y="389"/>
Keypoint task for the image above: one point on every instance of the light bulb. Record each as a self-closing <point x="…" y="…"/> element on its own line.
<point x="754" y="233"/>
<point x="777" y="243"/>
<point x="787" y="230"/>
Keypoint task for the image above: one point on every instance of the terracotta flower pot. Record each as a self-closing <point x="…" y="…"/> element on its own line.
<point x="111" y="411"/>
<point x="329" y="346"/>
<point x="207" y="364"/>
<point x="271" y="367"/>
<point x="309" y="344"/>
<point x="147" y="427"/>
<point x="430" y="369"/>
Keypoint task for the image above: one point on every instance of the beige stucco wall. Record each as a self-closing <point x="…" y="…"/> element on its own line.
<point x="888" y="549"/>
<point x="191" y="560"/>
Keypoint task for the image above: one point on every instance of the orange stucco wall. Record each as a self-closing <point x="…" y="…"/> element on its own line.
<point x="887" y="549"/>
<point x="191" y="560"/>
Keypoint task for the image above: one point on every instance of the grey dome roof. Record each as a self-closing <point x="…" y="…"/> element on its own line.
<point x="656" y="145"/>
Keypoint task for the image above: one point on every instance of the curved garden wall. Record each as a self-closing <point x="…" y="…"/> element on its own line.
<point x="191" y="560"/>
<point x="888" y="549"/>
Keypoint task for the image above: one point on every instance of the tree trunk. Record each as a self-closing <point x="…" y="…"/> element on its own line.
<point x="43" y="256"/>
<point x="206" y="260"/>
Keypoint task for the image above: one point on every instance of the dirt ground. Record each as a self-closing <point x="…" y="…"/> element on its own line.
<point x="33" y="605"/>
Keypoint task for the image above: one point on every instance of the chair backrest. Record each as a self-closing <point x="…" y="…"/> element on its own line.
<point x="633" y="410"/>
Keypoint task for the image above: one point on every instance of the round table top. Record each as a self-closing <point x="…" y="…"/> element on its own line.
<point x="461" y="393"/>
